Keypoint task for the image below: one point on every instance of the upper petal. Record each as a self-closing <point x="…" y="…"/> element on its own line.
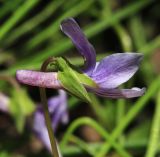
<point x="116" y="69"/>
<point x="73" y="31"/>
<point x="118" y="93"/>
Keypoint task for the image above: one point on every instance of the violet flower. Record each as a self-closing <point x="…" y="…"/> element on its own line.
<point x="108" y="74"/>
<point x="58" y="111"/>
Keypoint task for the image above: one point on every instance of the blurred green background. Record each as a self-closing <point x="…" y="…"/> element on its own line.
<point x="30" y="33"/>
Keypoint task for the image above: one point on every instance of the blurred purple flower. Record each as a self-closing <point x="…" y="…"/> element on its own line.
<point x="58" y="111"/>
<point x="59" y="114"/>
<point x="109" y="73"/>
<point x="4" y="103"/>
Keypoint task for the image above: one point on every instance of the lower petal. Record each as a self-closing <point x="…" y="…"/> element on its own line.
<point x="118" y="93"/>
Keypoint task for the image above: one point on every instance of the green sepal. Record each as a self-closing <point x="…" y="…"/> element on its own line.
<point x="73" y="81"/>
<point x="86" y="80"/>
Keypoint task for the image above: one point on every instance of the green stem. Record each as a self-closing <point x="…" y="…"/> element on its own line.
<point x="91" y="31"/>
<point x="124" y="38"/>
<point x="46" y="112"/>
<point x="88" y="121"/>
<point x="148" y="49"/>
<point x="9" y="6"/>
<point x="83" y="145"/>
<point x="54" y="27"/>
<point x="154" y="139"/>
<point x="48" y="123"/>
<point x="33" y="22"/>
<point x="20" y="12"/>
<point x="126" y="43"/>
<point x="137" y="28"/>
<point x="73" y="150"/>
<point x="121" y="107"/>
<point x="98" y="110"/>
<point x="138" y="106"/>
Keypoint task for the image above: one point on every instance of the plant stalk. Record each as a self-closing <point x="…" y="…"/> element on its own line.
<point x="46" y="112"/>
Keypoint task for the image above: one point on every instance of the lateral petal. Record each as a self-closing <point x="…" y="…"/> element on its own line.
<point x="74" y="32"/>
<point x="116" y="69"/>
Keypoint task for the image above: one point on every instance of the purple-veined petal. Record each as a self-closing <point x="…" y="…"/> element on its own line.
<point x="118" y="93"/>
<point x="74" y="32"/>
<point x="116" y="69"/>
<point x="40" y="79"/>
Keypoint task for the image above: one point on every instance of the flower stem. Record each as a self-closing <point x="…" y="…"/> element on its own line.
<point x="46" y="112"/>
<point x="132" y="113"/>
<point x="154" y="134"/>
<point x="88" y="121"/>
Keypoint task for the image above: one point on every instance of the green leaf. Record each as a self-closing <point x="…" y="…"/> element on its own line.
<point x="8" y="154"/>
<point x="4" y="154"/>
<point x="72" y="80"/>
<point x="140" y="133"/>
<point x="20" y="107"/>
<point x="5" y="56"/>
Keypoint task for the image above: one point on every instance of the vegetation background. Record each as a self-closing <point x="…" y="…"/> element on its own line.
<point x="30" y="33"/>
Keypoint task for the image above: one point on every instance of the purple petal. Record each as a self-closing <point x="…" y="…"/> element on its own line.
<point x="40" y="79"/>
<point x="64" y="107"/>
<point x="116" y="69"/>
<point x="73" y="31"/>
<point x="118" y="93"/>
<point x="56" y="118"/>
<point x="53" y="104"/>
<point x="58" y="109"/>
<point x="58" y="102"/>
<point x="40" y="129"/>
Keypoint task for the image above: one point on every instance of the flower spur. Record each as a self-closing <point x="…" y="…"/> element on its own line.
<point x="108" y="74"/>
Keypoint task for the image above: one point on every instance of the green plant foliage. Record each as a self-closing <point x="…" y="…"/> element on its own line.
<point x="30" y="33"/>
<point x="21" y="106"/>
